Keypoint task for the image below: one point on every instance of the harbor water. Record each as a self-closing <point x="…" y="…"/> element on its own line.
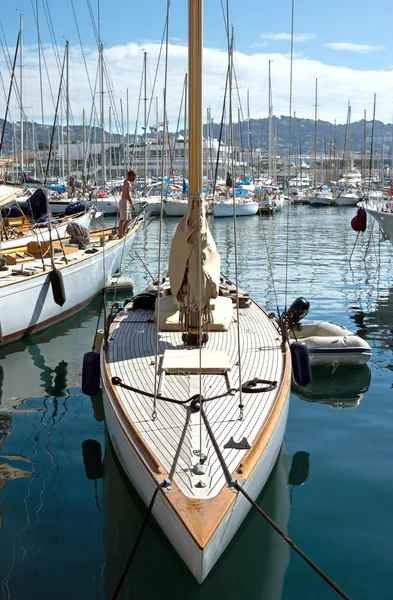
<point x="69" y="517"/>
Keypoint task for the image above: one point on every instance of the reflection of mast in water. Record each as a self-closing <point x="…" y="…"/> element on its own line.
<point x="124" y="513"/>
<point x="54" y="380"/>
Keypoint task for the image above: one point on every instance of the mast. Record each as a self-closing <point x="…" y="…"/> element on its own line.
<point x="21" y="94"/>
<point x="249" y="145"/>
<point x="127" y="153"/>
<point x="101" y="66"/>
<point x="185" y="125"/>
<point x="300" y="153"/>
<point x="145" y="123"/>
<point x="315" y="132"/>
<point x="110" y="144"/>
<point x="270" y="172"/>
<point x="157" y="141"/>
<point x="84" y="152"/>
<point x="365" y="146"/>
<point x="68" y="114"/>
<point x="195" y="135"/>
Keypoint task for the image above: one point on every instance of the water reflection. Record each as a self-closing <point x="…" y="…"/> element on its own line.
<point x="253" y="565"/>
<point x="341" y="388"/>
<point x="376" y="326"/>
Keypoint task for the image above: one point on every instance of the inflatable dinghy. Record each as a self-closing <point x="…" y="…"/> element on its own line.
<point x="328" y="344"/>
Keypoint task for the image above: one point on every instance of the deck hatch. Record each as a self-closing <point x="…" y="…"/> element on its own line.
<point x="211" y="362"/>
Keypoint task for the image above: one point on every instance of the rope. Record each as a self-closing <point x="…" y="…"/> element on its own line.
<point x="163" y="154"/>
<point x="137" y="541"/>
<point x="249" y="388"/>
<point x="235" y="485"/>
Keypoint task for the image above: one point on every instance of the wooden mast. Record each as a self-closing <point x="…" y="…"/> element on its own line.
<point x="195" y="155"/>
<point x="195" y="136"/>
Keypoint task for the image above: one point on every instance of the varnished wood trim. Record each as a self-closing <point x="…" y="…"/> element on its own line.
<point x="133" y="435"/>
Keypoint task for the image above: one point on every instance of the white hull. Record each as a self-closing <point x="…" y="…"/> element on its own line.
<point x="225" y="209"/>
<point x="108" y="204"/>
<point x="320" y="201"/>
<point x="58" y="207"/>
<point x="346" y="200"/>
<point x="27" y="305"/>
<point x="329" y="344"/>
<point x="383" y="217"/>
<point x="256" y="540"/>
<point x="199" y="561"/>
<point x="43" y="233"/>
<point x="153" y="207"/>
<point x="325" y="358"/>
<point x="175" y="208"/>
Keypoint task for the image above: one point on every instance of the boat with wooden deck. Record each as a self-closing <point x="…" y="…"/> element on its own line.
<point x="16" y="232"/>
<point x="28" y="303"/>
<point x="196" y="379"/>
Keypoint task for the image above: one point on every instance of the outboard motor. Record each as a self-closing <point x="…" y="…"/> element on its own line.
<point x="297" y="311"/>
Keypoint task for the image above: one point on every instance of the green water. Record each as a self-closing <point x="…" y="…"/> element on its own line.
<point x="64" y="535"/>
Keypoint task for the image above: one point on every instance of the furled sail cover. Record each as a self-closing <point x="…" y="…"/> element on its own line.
<point x="193" y="246"/>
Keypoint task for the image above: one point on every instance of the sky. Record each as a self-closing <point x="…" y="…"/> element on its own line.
<point x="346" y="45"/>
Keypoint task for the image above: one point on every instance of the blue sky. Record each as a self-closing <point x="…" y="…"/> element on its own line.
<point x="347" y="45"/>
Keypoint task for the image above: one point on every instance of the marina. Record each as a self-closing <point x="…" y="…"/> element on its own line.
<point x="195" y="308"/>
<point x="89" y="525"/>
<point x="45" y="419"/>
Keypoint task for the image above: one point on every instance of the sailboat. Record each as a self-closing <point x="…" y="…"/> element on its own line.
<point x="55" y="279"/>
<point x="196" y="379"/>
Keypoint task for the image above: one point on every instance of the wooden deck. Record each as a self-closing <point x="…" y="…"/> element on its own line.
<point x="131" y="356"/>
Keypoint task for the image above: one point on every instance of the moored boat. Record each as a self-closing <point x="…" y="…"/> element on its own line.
<point x="327" y="343"/>
<point x="244" y="208"/>
<point x="29" y="299"/>
<point x="196" y="379"/>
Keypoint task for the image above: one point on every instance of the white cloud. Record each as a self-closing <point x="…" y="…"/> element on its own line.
<point x="350" y="47"/>
<point x="258" y="45"/>
<point x="299" y="37"/>
<point x="336" y="84"/>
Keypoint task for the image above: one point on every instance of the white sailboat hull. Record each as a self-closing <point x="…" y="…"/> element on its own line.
<point x="383" y="217"/>
<point x="153" y="207"/>
<point x="58" y="207"/>
<point x="225" y="209"/>
<point x="199" y="561"/>
<point x="346" y="200"/>
<point x="27" y="305"/>
<point x="173" y="208"/>
<point x="107" y="204"/>
<point x="43" y="234"/>
<point x="320" y="201"/>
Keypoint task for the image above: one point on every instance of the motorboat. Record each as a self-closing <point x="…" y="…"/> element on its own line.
<point x="321" y="196"/>
<point x="244" y="207"/>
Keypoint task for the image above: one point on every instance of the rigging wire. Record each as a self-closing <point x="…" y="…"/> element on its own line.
<point x="283" y="324"/>
<point x="230" y="65"/>
<point x="163" y="155"/>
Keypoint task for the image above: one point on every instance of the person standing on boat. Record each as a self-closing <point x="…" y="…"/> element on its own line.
<point x="126" y="204"/>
